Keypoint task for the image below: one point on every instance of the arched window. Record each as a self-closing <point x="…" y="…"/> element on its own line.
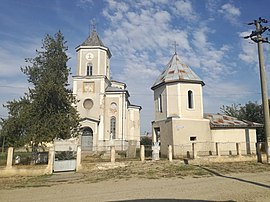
<point x="160" y="103"/>
<point x="113" y="127"/>
<point x="190" y="100"/>
<point x="89" y="69"/>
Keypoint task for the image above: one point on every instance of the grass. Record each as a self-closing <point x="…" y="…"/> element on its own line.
<point x="137" y="169"/>
<point x="3" y="159"/>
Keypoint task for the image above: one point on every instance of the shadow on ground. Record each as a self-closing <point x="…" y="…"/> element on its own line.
<point x="235" y="178"/>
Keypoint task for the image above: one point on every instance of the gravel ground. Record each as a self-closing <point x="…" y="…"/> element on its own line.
<point x="149" y="181"/>
<point x="220" y="187"/>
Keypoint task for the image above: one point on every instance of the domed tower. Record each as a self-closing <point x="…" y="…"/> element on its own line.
<point x="178" y="102"/>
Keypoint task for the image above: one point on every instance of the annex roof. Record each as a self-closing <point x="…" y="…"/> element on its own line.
<point x="176" y="71"/>
<point x="225" y="121"/>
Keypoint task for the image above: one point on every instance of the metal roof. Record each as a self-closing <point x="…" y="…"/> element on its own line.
<point x="175" y="70"/>
<point x="225" y="121"/>
<point x="93" y="40"/>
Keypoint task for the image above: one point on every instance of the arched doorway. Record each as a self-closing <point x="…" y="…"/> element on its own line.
<point x="87" y="139"/>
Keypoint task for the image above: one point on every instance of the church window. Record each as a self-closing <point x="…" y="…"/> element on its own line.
<point x="193" y="138"/>
<point x="190" y="100"/>
<point x="113" y="127"/>
<point x="89" y="69"/>
<point x="160" y="103"/>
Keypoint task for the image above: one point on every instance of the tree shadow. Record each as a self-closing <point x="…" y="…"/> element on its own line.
<point x="234" y="178"/>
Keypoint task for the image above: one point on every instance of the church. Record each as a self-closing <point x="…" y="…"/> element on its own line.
<point x="107" y="117"/>
<point x="180" y="120"/>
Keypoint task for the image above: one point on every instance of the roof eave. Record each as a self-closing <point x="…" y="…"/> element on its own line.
<point x="177" y="81"/>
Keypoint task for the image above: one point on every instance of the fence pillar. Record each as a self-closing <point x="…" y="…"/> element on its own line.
<point x="78" y="158"/>
<point x="50" y="160"/>
<point x="170" y="152"/>
<point x="218" y="149"/>
<point x="112" y="154"/>
<point x="10" y="157"/>
<point x="142" y="153"/>
<point x="258" y="151"/>
<point x="194" y="150"/>
<point x="238" y="149"/>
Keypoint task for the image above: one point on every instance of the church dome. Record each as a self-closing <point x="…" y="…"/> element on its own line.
<point x="176" y="71"/>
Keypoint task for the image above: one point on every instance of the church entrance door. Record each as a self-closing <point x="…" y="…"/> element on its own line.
<point x="87" y="139"/>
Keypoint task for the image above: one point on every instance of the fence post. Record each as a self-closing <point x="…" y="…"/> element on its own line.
<point x="112" y="154"/>
<point x="142" y="153"/>
<point x="238" y="149"/>
<point x="50" y="160"/>
<point x="10" y="157"/>
<point x="170" y="152"/>
<point x="218" y="148"/>
<point x="258" y="151"/>
<point x="194" y="151"/>
<point x="78" y="158"/>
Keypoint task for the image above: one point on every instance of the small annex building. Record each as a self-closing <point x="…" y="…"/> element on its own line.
<point x="180" y="119"/>
<point x="107" y="117"/>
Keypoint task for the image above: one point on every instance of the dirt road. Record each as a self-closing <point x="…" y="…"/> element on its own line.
<point x="234" y="187"/>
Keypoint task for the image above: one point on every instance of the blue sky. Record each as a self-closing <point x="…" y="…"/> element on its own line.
<point x="140" y="35"/>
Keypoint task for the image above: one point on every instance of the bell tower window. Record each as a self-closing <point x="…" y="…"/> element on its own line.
<point x="89" y="69"/>
<point x="160" y="103"/>
<point x="190" y="100"/>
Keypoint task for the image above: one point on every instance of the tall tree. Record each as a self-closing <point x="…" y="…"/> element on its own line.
<point x="46" y="112"/>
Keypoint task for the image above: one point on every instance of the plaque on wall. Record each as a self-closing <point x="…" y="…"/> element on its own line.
<point x="88" y="87"/>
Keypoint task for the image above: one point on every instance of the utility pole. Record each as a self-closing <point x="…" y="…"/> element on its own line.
<point x="256" y="36"/>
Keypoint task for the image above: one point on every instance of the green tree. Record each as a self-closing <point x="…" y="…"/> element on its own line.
<point x="46" y="111"/>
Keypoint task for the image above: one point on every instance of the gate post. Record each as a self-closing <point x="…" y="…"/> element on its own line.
<point x="218" y="149"/>
<point x="259" y="154"/>
<point x="112" y="154"/>
<point x="170" y="152"/>
<point x="10" y="157"/>
<point x="238" y="149"/>
<point x="50" y="160"/>
<point x="194" y="150"/>
<point x="142" y="153"/>
<point x="79" y="158"/>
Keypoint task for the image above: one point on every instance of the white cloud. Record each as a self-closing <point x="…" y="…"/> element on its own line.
<point x="184" y="9"/>
<point x="85" y="3"/>
<point x="249" y="49"/>
<point x="141" y="38"/>
<point x="230" y="12"/>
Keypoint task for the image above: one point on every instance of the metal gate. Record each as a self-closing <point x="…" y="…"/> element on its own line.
<point x="65" y="155"/>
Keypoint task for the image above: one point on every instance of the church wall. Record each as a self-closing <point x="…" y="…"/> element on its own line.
<point x="91" y="92"/>
<point x="173" y="106"/>
<point x="229" y="137"/>
<point x="188" y="131"/>
<point x="112" y="110"/>
<point x="197" y="110"/>
<point x="133" y="124"/>
<point x="99" y="61"/>
<point x="165" y="137"/>
<point x="160" y="91"/>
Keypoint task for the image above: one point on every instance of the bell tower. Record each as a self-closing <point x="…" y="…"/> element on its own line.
<point x="93" y="58"/>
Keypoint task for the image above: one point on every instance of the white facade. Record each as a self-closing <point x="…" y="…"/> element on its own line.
<point x="107" y="117"/>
